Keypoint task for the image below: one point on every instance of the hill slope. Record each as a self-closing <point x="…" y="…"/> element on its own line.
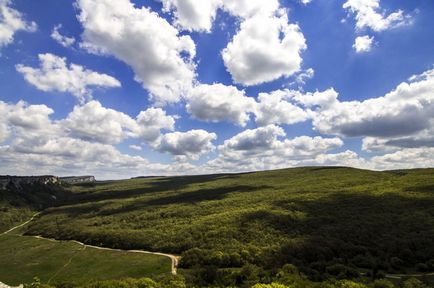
<point x="328" y="222"/>
<point x="18" y="204"/>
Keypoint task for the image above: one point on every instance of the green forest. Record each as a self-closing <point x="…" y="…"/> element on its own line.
<point x="301" y="227"/>
<point x="290" y="280"/>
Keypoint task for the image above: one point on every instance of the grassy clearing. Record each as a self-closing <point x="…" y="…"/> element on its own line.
<point x="24" y="257"/>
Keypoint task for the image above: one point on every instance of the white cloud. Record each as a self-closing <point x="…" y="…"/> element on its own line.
<point x="199" y="16"/>
<point x="405" y="159"/>
<point x="63" y="155"/>
<point x="55" y="75"/>
<point x="136" y="147"/>
<point x="218" y="102"/>
<point x="405" y="111"/>
<point x="24" y="120"/>
<point x="266" y="148"/>
<point x="249" y="8"/>
<point x="255" y="140"/>
<point x="274" y="108"/>
<point x="92" y="122"/>
<point x="303" y="76"/>
<point x="143" y="40"/>
<point x="95" y="123"/>
<point x="324" y="99"/>
<point x="39" y="144"/>
<point x="187" y="145"/>
<point x="11" y="21"/>
<point x="421" y="139"/>
<point x="61" y="39"/>
<point x="193" y="15"/>
<point x="363" y="44"/>
<point x="4" y="129"/>
<point x="151" y="122"/>
<point x="266" y="141"/>
<point x="264" y="49"/>
<point x="369" y="15"/>
<point x="305" y="2"/>
<point x="347" y="158"/>
<point x="29" y="122"/>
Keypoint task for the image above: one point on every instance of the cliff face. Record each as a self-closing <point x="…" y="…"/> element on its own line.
<point x="18" y="181"/>
<point x="77" y="179"/>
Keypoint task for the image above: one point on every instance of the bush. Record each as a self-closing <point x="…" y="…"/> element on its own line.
<point x="382" y="283"/>
<point x="272" y="285"/>
<point x="413" y="283"/>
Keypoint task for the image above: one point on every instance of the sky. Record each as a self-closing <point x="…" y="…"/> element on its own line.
<point x="127" y="88"/>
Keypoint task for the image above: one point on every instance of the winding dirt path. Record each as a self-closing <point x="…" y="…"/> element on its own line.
<point x="399" y="276"/>
<point x="21" y="225"/>
<point x="173" y="258"/>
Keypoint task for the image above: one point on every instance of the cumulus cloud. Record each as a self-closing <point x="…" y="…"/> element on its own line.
<point x="324" y="99"/>
<point x="55" y="75"/>
<point x="248" y="8"/>
<point x="143" y="40"/>
<point x="29" y="122"/>
<point x="12" y="21"/>
<point x="405" y="159"/>
<point x="199" y="16"/>
<point x="219" y="102"/>
<point x="187" y="145"/>
<point x="151" y="122"/>
<point x="269" y="140"/>
<point x="61" y="39"/>
<point x="369" y="14"/>
<point x="303" y="76"/>
<point x="135" y="147"/>
<point x="421" y="139"/>
<point x="347" y="158"/>
<point x="276" y="108"/>
<point x="90" y="122"/>
<point x="264" y="49"/>
<point x="64" y="155"/>
<point x="95" y="123"/>
<point x="363" y="44"/>
<point x="405" y="111"/>
<point x="254" y="140"/>
<point x="60" y="147"/>
<point x="193" y="15"/>
<point x="24" y="120"/>
<point x="267" y="148"/>
<point x="4" y="129"/>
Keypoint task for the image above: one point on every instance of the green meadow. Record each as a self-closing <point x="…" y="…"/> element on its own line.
<point x="24" y="258"/>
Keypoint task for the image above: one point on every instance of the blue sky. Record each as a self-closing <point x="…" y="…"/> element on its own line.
<point x="126" y="88"/>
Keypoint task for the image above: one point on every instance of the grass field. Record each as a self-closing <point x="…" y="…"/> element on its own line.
<point x="24" y="258"/>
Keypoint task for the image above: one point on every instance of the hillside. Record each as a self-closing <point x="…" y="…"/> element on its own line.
<point x="18" y="204"/>
<point x="329" y="222"/>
